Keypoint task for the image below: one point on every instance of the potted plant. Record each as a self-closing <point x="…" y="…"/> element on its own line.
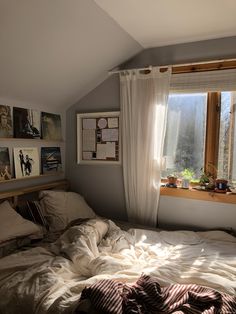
<point x="207" y="181"/>
<point x="221" y="185"/>
<point x="187" y="175"/>
<point x="172" y="181"/>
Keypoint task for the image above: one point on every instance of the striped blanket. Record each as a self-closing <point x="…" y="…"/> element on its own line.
<point x="147" y="297"/>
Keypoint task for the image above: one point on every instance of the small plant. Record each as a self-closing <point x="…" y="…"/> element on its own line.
<point x="207" y="180"/>
<point x="187" y="174"/>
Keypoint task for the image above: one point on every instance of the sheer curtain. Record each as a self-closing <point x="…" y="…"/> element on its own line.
<point x="143" y="111"/>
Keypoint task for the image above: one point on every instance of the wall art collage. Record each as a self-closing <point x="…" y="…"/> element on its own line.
<point x="21" y="123"/>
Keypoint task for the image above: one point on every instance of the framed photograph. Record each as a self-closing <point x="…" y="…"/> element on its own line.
<point x="26" y="162"/>
<point x="6" y="128"/>
<point x="51" y="160"/>
<point x="51" y="126"/>
<point x="5" y="167"/>
<point x="26" y="123"/>
<point x="98" y="138"/>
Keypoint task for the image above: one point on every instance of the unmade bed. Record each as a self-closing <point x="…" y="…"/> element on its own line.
<point x="116" y="267"/>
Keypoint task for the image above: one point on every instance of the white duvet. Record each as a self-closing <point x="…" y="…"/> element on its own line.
<point x="50" y="280"/>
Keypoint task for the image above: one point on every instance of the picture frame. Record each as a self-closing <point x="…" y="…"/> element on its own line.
<point x="99" y="138"/>
<point x="26" y="162"/>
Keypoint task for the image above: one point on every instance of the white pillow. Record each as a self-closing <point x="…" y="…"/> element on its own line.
<point x="60" y="208"/>
<point x="13" y="225"/>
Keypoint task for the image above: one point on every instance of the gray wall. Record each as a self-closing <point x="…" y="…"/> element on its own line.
<point x="102" y="186"/>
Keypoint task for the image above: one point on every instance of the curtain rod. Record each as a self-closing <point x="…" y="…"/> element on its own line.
<point x="111" y="72"/>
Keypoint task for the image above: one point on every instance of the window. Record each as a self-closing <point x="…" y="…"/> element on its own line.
<point x="227" y="137"/>
<point x="200" y="134"/>
<point x="185" y="133"/>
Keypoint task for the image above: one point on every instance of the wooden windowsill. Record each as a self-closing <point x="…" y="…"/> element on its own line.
<point x="199" y="195"/>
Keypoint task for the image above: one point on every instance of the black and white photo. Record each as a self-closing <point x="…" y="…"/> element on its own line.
<point x="26" y="123"/>
<point x="51" y="159"/>
<point x="51" y="126"/>
<point x="26" y="162"/>
<point x="5" y="167"/>
<point x="6" y="129"/>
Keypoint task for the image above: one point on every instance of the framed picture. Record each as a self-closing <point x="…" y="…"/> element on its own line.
<point x="6" y="128"/>
<point x="26" y="162"/>
<point x="51" y="126"/>
<point x="26" y="123"/>
<point x="5" y="167"/>
<point x="98" y="138"/>
<point x="51" y="160"/>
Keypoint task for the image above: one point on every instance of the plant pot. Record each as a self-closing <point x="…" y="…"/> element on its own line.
<point x="185" y="183"/>
<point x="221" y="185"/>
<point x="172" y="182"/>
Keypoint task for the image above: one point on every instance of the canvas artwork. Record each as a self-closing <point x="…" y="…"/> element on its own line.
<point x="26" y="123"/>
<point x="51" y="126"/>
<point x="26" y="161"/>
<point x="51" y="159"/>
<point x="6" y="129"/>
<point x="5" y="167"/>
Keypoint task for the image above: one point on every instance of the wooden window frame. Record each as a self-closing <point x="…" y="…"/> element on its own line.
<point x="212" y="135"/>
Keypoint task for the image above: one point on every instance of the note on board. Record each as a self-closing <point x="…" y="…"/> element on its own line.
<point x="89" y="124"/>
<point x="112" y="123"/>
<point x="89" y="142"/>
<point x="110" y="135"/>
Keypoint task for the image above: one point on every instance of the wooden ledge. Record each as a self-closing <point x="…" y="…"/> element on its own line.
<point x="199" y="195"/>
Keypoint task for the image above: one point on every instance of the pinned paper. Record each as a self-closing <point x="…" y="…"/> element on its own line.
<point x="110" y="135"/>
<point x="89" y="124"/>
<point x="112" y="123"/>
<point x="111" y="149"/>
<point x="89" y="140"/>
<point x="101" y="151"/>
<point x="87" y="155"/>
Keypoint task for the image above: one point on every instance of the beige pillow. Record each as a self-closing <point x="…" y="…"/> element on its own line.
<point x="13" y="225"/>
<point x="60" y="208"/>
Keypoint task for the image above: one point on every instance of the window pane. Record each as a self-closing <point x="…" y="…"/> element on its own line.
<point x="226" y="155"/>
<point x="185" y="133"/>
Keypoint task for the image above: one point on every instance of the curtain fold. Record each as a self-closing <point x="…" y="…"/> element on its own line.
<point x="143" y="111"/>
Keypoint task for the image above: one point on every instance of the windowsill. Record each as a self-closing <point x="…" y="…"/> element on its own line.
<point x="199" y="195"/>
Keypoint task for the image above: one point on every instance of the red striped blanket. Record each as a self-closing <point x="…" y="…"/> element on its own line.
<point x="147" y="297"/>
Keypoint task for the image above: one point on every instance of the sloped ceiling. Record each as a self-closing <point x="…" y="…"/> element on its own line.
<point x="156" y="23"/>
<point x="55" y="51"/>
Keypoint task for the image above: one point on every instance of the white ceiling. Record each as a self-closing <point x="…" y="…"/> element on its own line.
<point x="156" y="23"/>
<point x="53" y="52"/>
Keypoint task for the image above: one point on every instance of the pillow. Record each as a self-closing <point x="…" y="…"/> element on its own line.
<point x="60" y="208"/>
<point x="12" y="225"/>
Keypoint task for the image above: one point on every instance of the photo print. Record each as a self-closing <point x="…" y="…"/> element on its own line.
<point x="26" y="161"/>
<point x="51" y="159"/>
<point x="51" y="126"/>
<point x="5" y="167"/>
<point x="6" y="129"/>
<point x="26" y="123"/>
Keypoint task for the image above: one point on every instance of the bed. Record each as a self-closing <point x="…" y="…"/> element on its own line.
<point x="88" y="264"/>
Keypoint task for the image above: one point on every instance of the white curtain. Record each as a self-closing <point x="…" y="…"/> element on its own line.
<point x="143" y="111"/>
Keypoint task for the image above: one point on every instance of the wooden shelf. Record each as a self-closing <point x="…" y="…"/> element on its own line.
<point x="30" y="139"/>
<point x="199" y="195"/>
<point x="32" y="177"/>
